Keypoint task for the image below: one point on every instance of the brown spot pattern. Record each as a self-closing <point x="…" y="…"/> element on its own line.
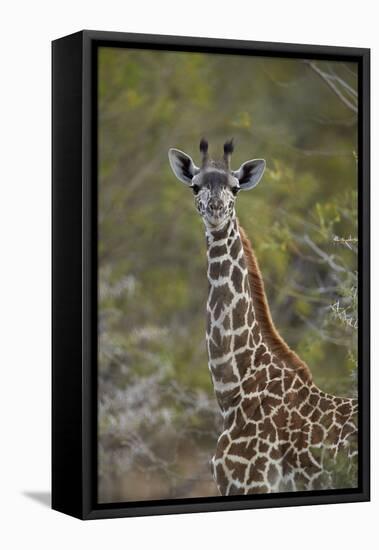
<point x="278" y="425"/>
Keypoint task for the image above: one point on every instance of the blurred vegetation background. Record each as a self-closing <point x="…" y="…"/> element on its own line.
<point x="158" y="420"/>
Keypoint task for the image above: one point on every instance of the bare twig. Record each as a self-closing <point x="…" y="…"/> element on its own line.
<point x="323" y="255"/>
<point x="330" y="81"/>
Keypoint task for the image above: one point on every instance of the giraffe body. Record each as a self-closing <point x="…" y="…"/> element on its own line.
<point x="280" y="431"/>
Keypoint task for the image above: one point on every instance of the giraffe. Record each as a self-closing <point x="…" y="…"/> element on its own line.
<point x="281" y="433"/>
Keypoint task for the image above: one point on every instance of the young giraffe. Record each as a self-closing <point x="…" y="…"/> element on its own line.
<point x="281" y="432"/>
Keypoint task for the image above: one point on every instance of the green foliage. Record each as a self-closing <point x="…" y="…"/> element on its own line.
<point x="158" y="420"/>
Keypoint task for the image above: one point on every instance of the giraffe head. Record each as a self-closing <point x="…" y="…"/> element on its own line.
<point x="215" y="185"/>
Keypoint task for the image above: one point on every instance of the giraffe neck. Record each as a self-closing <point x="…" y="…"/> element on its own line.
<point x="233" y="333"/>
<point x="270" y="334"/>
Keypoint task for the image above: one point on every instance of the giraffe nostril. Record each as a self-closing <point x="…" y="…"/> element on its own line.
<point x="215" y="206"/>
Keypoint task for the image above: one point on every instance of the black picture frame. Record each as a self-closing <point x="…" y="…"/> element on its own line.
<point x="74" y="273"/>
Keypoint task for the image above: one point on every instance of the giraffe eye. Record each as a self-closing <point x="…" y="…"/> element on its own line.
<point x="235" y="190"/>
<point x="195" y="189"/>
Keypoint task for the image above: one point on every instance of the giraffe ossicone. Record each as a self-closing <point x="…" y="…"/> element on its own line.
<point x="280" y="431"/>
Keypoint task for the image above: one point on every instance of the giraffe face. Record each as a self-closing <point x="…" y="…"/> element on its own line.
<point x="215" y="192"/>
<point x="215" y="185"/>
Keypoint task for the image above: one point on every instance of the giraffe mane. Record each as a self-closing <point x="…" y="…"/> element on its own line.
<point x="270" y="333"/>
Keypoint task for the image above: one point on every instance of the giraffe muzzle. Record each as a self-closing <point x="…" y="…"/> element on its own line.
<point x="216" y="210"/>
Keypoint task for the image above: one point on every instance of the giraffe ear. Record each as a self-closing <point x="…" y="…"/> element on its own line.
<point x="250" y="173"/>
<point x="182" y="165"/>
